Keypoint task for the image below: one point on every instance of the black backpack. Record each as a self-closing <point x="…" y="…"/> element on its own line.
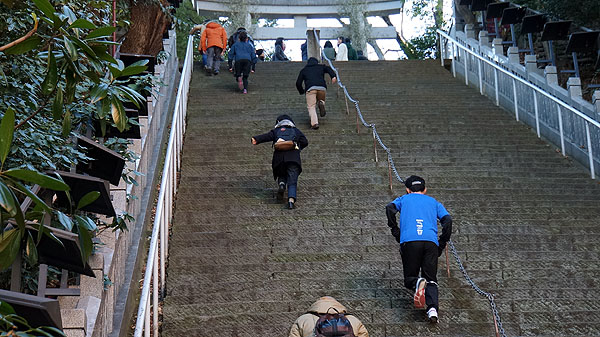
<point x="330" y="325"/>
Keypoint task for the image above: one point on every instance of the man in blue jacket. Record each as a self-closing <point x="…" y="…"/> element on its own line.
<point x="420" y="248"/>
<point x="244" y="55"/>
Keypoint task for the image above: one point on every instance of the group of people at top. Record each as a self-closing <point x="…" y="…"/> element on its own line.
<point x="417" y="228"/>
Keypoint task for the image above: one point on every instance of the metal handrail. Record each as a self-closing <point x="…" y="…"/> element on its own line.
<point x="164" y="207"/>
<point x="537" y="90"/>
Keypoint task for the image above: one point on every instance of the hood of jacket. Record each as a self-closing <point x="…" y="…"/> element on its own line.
<point x="213" y="25"/>
<point x="312" y="61"/>
<point x="325" y="303"/>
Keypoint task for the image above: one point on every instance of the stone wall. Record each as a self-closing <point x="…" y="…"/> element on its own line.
<point x="91" y="313"/>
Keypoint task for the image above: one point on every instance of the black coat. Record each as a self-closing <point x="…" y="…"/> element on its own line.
<point x="281" y="158"/>
<point x="313" y="74"/>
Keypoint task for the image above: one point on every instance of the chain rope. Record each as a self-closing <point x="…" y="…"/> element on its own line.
<point x="499" y="329"/>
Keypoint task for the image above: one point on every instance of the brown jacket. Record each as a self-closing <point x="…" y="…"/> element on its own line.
<point x="213" y="36"/>
<point x="304" y="326"/>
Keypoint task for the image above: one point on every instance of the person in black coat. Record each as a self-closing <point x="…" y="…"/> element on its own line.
<point x="287" y="165"/>
<point x="313" y="77"/>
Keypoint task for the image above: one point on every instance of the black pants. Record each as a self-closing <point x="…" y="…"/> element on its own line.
<point x="421" y="256"/>
<point x="242" y="68"/>
<point x="290" y="179"/>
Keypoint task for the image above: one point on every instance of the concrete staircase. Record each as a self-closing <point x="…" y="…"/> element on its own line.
<point x="240" y="264"/>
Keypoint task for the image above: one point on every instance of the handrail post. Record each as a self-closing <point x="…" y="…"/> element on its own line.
<point x="560" y="127"/>
<point x="466" y="67"/>
<point x="390" y="173"/>
<point x="537" y="115"/>
<point x="590" y="154"/>
<point x="497" y="86"/>
<point x="480" y="77"/>
<point x="514" y="82"/>
<point x="357" y="123"/>
<point x="453" y="59"/>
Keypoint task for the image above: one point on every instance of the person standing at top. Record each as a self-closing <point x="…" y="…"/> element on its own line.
<point x="313" y="77"/>
<point x="304" y="51"/>
<point x="329" y="51"/>
<point x="288" y="141"/>
<point x="244" y="55"/>
<point x="342" y="53"/>
<point x="352" y="55"/>
<point x="213" y="42"/>
<point x="199" y="29"/>
<point x="279" y="54"/>
<point x="420" y="247"/>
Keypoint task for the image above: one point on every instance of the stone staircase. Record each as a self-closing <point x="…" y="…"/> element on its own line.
<point x="240" y="264"/>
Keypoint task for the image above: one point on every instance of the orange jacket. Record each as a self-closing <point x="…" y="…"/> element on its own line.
<point x="213" y="36"/>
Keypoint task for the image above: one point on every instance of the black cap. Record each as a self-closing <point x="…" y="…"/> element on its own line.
<point x="415" y="183"/>
<point x="282" y="117"/>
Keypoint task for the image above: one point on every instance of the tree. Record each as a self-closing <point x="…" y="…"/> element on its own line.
<point x="149" y="21"/>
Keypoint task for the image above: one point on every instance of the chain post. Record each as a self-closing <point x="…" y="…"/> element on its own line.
<point x="390" y="174"/>
<point x="447" y="262"/>
<point x="346" y="99"/>
<point x="357" y="123"/>
<point x="495" y="323"/>
<point x="375" y="145"/>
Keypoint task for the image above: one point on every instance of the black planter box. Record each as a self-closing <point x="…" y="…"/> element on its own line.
<point x="38" y="311"/>
<point x="80" y="186"/>
<point x="105" y="163"/>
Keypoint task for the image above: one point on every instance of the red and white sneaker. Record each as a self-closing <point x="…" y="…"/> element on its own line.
<point x="419" y="297"/>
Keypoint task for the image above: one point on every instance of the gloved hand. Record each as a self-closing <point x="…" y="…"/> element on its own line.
<point x="396" y="233"/>
<point x="441" y="248"/>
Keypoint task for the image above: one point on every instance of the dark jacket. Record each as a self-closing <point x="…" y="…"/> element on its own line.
<point x="313" y="74"/>
<point x="279" y="54"/>
<point x="352" y="54"/>
<point x="242" y="51"/>
<point x="280" y="158"/>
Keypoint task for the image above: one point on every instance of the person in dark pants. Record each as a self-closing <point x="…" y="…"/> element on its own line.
<point x="419" y="244"/>
<point x="245" y="56"/>
<point x="286" y="164"/>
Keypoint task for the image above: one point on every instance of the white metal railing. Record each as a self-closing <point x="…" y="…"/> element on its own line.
<point x="537" y="92"/>
<point x="155" y="276"/>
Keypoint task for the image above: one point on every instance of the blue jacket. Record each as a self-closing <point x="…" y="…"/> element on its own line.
<point x="419" y="215"/>
<point x="242" y="51"/>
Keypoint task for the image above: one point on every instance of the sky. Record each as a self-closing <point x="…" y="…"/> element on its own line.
<point x="412" y="27"/>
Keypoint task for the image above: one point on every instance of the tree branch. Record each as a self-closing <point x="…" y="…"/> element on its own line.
<point x="21" y="39"/>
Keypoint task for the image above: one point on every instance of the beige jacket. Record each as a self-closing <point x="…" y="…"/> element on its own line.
<point x="304" y="326"/>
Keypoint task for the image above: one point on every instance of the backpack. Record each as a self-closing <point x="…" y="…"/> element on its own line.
<point x="286" y="139"/>
<point x="330" y="325"/>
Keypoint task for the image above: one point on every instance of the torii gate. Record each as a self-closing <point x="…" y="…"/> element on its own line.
<point x="300" y="11"/>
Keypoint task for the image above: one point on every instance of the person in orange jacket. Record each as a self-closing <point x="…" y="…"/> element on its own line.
<point x="213" y="42"/>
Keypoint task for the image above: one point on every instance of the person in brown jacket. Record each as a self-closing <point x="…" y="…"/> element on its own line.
<point x="213" y="42"/>
<point x="305" y="325"/>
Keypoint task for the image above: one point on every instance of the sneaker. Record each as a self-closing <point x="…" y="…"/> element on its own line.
<point x="230" y="70"/>
<point x="432" y="315"/>
<point x="216" y="72"/>
<point x="315" y="127"/>
<point x="290" y="205"/>
<point x="240" y="83"/>
<point x="280" y="191"/>
<point x="419" y="297"/>
<point x="322" y="111"/>
<point x="245" y="91"/>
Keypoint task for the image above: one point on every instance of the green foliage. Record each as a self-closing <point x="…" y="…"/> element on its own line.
<point x="12" y="324"/>
<point x="425" y="46"/>
<point x="185" y="19"/>
<point x="582" y="12"/>
<point x="54" y="83"/>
